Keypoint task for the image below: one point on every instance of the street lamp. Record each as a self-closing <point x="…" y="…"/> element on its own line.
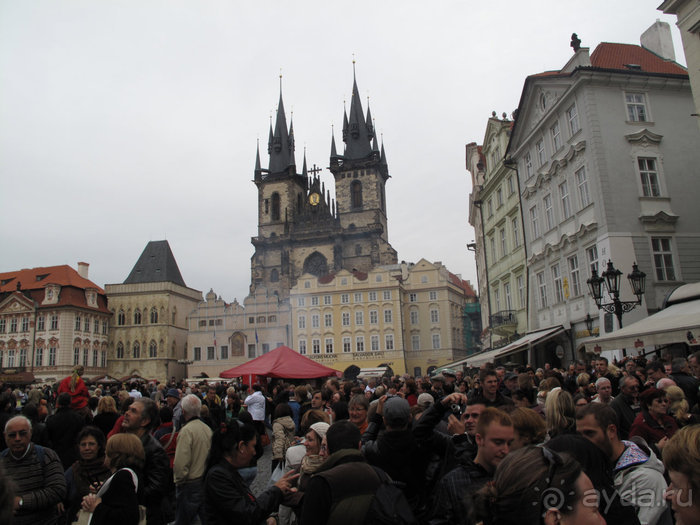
<point x="611" y="277"/>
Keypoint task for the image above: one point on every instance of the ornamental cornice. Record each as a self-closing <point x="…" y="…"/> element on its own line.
<point x="644" y="137"/>
<point x="565" y="239"/>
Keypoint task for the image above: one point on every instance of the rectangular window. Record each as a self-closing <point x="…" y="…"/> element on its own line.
<point x="103" y="359"/>
<point x="224" y="351"/>
<point x="316" y="346"/>
<point x="315" y="321"/>
<point x="541" y="158"/>
<point x="434" y="315"/>
<point x="314" y="300"/>
<point x="96" y="327"/>
<point x="202" y="323"/>
<point x="373" y="317"/>
<point x="329" y="345"/>
<point x="374" y="343"/>
<point x="528" y="165"/>
<point x="345" y="318"/>
<point x="359" y="318"/>
<point x="358" y="297"/>
<point x="104" y="328"/>
<point x="301" y="322"/>
<point x="572" y="117"/>
<point x="663" y="258"/>
<point x="520" y="281"/>
<point x="197" y="353"/>
<point x="492" y="244"/>
<point x="650" y="177"/>
<point x="251" y="351"/>
<point x="506" y="292"/>
<point x="347" y="345"/>
<point x="372" y="296"/>
<point x="328" y="320"/>
<point x="25" y="324"/>
<point x="327" y="299"/>
<point x="388" y="317"/>
<point x="301" y="301"/>
<point x="415" y="342"/>
<point x="52" y="356"/>
<point x="497" y="298"/>
<point x="389" y="341"/>
<point x="38" y="357"/>
<point x="556" y="136"/>
<point x="211" y="353"/>
<point x="3" y="325"/>
<point x="548" y="211"/>
<point x="414" y="316"/>
<point x="54" y="322"/>
<point x="534" y="222"/>
<point x="542" y="287"/>
<point x="360" y="343"/>
<point x="592" y="256"/>
<point x="413" y="297"/>
<point x="511" y="185"/>
<point x="40" y="324"/>
<point x="23" y="357"/>
<point x="13" y="325"/>
<point x="499" y="197"/>
<point x="87" y="324"/>
<point x="515" y="225"/>
<point x="565" y="201"/>
<point x="575" y="277"/>
<point x="636" y="107"/>
<point x="433" y="295"/>
<point x="489" y="207"/>
<point x="302" y="346"/>
<point x="583" y="193"/>
<point x="436" y="341"/>
<point x="558" y="286"/>
<point x="76" y="356"/>
<point x="78" y="323"/>
<point x="345" y="298"/>
<point x="387" y="295"/>
<point x="94" y="358"/>
<point x="504" y="248"/>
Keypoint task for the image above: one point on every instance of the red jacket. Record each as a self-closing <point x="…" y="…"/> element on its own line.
<point x="79" y="398"/>
<point x="647" y="427"/>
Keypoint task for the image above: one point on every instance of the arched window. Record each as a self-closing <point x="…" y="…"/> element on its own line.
<point x="137" y="350"/>
<point x="316" y="264"/>
<point x="120" y="350"/>
<point x="154" y="315"/>
<point x="274" y="276"/>
<point x="153" y="349"/>
<point x="137" y="317"/>
<point x="356" y="194"/>
<point x="121" y="318"/>
<point x="275" y="206"/>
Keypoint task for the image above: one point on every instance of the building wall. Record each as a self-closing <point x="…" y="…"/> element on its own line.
<point x="173" y="303"/>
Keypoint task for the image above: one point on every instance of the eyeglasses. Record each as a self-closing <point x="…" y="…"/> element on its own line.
<point x="20" y="433"/>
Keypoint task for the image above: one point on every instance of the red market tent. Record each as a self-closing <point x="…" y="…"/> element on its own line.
<point x="283" y="363"/>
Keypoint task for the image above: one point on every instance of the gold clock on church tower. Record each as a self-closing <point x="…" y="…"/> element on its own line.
<point x="314" y="199"/>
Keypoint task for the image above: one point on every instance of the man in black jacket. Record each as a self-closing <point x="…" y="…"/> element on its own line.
<point x="63" y="429"/>
<point x="140" y="417"/>
<point x="344" y="485"/>
<point x="680" y="373"/>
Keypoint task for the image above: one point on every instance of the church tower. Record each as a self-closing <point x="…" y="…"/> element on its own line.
<point x="361" y="173"/>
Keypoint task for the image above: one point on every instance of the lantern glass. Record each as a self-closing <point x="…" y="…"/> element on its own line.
<point x="612" y="279"/>
<point x="637" y="280"/>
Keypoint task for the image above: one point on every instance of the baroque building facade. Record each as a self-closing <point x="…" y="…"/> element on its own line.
<point x="148" y="337"/>
<point x="605" y="151"/>
<point x="52" y="318"/>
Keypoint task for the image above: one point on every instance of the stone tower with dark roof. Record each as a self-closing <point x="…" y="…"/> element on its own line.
<point x="301" y="227"/>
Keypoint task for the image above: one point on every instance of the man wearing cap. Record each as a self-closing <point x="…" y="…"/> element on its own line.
<point x="172" y="398"/>
<point x="510" y="384"/>
<point x="396" y="450"/>
<point x="450" y="378"/>
<point x="437" y="387"/>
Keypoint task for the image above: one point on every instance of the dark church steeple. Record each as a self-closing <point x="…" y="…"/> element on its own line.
<point x="281" y="142"/>
<point x="358" y="130"/>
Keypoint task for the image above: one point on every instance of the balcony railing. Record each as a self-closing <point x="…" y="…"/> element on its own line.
<point x="504" y="317"/>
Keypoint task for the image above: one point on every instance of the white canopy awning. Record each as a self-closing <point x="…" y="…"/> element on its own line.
<point x="529" y="339"/>
<point x="678" y="323"/>
<point x="484" y="357"/>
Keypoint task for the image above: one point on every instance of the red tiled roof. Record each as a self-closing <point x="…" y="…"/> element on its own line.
<point x="464" y="285"/>
<point x="608" y="55"/>
<point x="38" y="278"/>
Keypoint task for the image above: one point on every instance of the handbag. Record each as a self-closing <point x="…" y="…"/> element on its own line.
<point x="277" y="474"/>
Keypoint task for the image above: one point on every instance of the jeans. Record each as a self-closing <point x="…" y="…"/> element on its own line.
<point x="190" y="502"/>
<point x="248" y="474"/>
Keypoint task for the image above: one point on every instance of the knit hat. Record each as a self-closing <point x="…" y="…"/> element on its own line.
<point x="320" y="428"/>
<point x="173" y="393"/>
<point x="397" y="412"/>
<point x="425" y="400"/>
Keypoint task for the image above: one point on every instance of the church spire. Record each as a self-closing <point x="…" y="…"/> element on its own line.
<point x="281" y="144"/>
<point x="358" y="136"/>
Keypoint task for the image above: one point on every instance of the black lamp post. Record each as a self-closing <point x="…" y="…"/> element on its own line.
<point x="589" y="323"/>
<point x="611" y="277"/>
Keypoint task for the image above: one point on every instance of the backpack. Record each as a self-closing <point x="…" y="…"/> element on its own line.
<point x="389" y="505"/>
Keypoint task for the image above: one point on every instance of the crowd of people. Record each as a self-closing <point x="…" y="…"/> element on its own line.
<point x="594" y="443"/>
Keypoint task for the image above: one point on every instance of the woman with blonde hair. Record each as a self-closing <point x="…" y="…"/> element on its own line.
<point x="78" y="390"/>
<point x="682" y="462"/>
<point x="116" y="503"/>
<point x="560" y="413"/>
<point x="678" y="407"/>
<point x="107" y="414"/>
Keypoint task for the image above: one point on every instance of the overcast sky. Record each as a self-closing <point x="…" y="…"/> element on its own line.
<point x="123" y="122"/>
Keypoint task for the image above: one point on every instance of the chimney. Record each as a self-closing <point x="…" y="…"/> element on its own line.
<point x="83" y="269"/>
<point x="657" y="39"/>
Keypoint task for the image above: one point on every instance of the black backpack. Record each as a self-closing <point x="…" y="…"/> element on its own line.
<point x="389" y="505"/>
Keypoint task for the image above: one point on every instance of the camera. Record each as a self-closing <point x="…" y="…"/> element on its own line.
<point x="456" y="409"/>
